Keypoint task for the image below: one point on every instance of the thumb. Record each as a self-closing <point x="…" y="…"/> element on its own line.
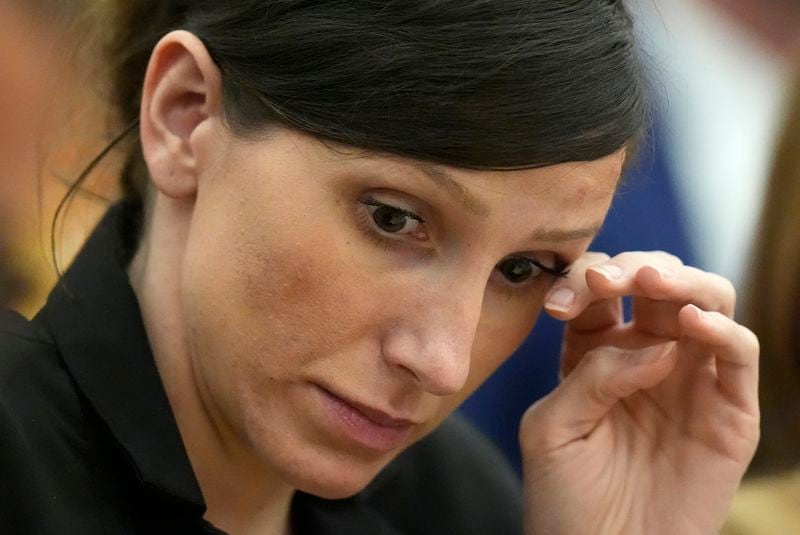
<point x="603" y="376"/>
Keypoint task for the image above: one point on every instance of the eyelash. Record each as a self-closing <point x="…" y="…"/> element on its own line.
<point x="367" y="226"/>
<point x="561" y="271"/>
<point x="369" y="201"/>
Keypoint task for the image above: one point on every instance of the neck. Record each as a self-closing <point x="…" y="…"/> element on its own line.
<point x="242" y="494"/>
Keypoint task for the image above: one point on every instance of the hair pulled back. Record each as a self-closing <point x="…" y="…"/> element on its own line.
<point x="483" y="84"/>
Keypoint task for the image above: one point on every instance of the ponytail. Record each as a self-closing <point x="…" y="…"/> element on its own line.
<point x="137" y="26"/>
<point x="121" y="36"/>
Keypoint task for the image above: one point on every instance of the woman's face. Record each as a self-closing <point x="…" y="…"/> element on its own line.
<point x="338" y="306"/>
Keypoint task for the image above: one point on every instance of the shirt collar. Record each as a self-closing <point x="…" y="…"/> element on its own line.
<point x="95" y="319"/>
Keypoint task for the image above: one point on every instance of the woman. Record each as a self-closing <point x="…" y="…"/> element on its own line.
<point x="352" y="212"/>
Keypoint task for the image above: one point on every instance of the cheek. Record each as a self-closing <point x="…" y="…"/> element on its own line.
<point x="498" y="337"/>
<point x="275" y="295"/>
<point x="303" y="300"/>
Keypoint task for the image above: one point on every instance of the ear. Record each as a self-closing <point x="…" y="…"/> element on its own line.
<point x="181" y="97"/>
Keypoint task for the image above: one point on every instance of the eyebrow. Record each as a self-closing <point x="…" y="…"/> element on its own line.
<point x="474" y="205"/>
<point x="558" y="235"/>
<point x="468" y="200"/>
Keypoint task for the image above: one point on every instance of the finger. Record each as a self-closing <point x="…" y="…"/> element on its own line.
<point x="604" y="376"/>
<point x="648" y="278"/>
<point x="736" y="350"/>
<point x="570" y="295"/>
<point x="655" y="311"/>
<point x="623" y="335"/>
<point x="708" y="291"/>
<point x="621" y="269"/>
<point x="569" y="298"/>
<point x="597" y="316"/>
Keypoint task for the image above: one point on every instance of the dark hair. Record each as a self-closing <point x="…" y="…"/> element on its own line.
<point x="483" y="84"/>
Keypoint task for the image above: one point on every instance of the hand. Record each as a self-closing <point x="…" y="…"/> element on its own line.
<point x="656" y="419"/>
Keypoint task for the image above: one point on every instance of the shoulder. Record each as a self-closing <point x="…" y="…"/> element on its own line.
<point x="30" y="368"/>
<point x="453" y="481"/>
<point x="43" y="436"/>
<point x="38" y="401"/>
<point x="37" y="395"/>
<point x="27" y="355"/>
<point x="14" y="328"/>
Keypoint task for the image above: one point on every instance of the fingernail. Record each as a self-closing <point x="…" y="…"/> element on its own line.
<point x="560" y="300"/>
<point x="609" y="271"/>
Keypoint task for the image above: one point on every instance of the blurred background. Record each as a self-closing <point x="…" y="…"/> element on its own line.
<point x="54" y="121"/>
<point x="723" y="77"/>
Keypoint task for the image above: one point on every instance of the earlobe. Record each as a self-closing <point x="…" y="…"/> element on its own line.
<point x="180" y="98"/>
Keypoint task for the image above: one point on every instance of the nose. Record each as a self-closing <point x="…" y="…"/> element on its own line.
<point x="433" y="337"/>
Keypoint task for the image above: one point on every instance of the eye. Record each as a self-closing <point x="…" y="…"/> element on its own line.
<point x="518" y="269"/>
<point x="394" y="220"/>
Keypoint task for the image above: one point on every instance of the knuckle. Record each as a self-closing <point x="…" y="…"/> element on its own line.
<point x="668" y="257"/>
<point x="628" y="256"/>
<point x="595" y="257"/>
<point x="750" y="340"/>
<point x="727" y="292"/>
<point x="602" y="360"/>
<point x="729" y="289"/>
<point x="538" y="428"/>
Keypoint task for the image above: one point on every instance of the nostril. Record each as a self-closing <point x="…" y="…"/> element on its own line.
<point x="409" y="372"/>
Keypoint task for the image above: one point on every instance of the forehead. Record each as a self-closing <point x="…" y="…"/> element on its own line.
<point x="573" y="182"/>
<point x="562" y="187"/>
<point x="559" y="203"/>
<point x="580" y="180"/>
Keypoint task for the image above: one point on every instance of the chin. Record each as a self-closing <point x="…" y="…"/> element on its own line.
<point x="330" y="471"/>
<point x="335" y="482"/>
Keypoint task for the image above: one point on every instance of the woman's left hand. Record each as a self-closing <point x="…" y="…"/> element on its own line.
<point x="656" y="419"/>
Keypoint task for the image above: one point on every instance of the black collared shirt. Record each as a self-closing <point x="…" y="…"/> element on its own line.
<point x="89" y="444"/>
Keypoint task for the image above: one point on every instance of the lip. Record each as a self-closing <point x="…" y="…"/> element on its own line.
<point x="365" y="425"/>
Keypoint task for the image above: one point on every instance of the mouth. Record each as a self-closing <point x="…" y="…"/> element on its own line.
<point x="367" y="426"/>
